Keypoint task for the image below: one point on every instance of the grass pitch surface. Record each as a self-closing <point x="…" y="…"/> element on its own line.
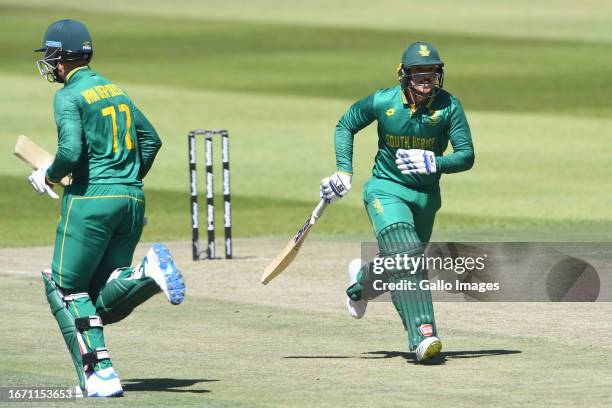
<point x="235" y="342"/>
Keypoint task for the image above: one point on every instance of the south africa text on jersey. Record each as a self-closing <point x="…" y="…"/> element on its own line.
<point x="411" y="142"/>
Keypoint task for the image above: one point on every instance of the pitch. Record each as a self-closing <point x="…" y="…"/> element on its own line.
<point x="292" y="343"/>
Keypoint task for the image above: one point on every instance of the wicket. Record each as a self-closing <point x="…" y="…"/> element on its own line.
<point x="210" y="194"/>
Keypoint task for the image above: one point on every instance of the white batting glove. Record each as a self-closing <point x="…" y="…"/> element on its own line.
<point x="415" y="161"/>
<point x="335" y="186"/>
<point x="38" y="180"/>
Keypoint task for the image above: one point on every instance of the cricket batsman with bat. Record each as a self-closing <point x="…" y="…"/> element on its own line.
<point x="416" y="121"/>
<point x="109" y="146"/>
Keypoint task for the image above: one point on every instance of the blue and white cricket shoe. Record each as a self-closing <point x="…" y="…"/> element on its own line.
<point x="104" y="383"/>
<point x="159" y="266"/>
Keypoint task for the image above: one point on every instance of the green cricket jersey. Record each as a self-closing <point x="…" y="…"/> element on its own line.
<point x="102" y="136"/>
<point x="428" y="127"/>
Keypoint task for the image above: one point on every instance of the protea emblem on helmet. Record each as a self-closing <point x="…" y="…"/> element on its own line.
<point x="421" y="68"/>
<point x="424" y="51"/>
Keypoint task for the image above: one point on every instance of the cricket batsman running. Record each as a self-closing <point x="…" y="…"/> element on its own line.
<point x="108" y="146"/>
<point x="416" y="121"/>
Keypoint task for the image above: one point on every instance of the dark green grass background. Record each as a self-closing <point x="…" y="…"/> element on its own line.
<point x="489" y="73"/>
<point x="284" y="64"/>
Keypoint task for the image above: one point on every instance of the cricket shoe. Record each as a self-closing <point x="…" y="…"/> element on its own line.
<point x="159" y="266"/>
<point x="356" y="308"/>
<point x="428" y="348"/>
<point x="104" y="383"/>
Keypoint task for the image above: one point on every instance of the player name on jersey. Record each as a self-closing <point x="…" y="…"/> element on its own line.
<point x="94" y="94"/>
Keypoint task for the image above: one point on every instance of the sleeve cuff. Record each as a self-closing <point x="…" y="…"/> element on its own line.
<point x="439" y="164"/>
<point x="49" y="178"/>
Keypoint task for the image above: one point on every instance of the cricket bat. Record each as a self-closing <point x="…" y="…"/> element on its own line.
<point x="35" y="156"/>
<point x="287" y="255"/>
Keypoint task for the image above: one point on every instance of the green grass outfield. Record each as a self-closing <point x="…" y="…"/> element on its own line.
<point x="537" y="105"/>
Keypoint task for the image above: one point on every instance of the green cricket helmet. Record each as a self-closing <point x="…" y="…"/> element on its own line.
<point x="420" y="54"/>
<point x="65" y="40"/>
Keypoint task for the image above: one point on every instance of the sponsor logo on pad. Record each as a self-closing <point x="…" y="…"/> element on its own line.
<point x="426" y="329"/>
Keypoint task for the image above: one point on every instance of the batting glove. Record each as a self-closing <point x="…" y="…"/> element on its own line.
<point x="415" y="161"/>
<point x="38" y="180"/>
<point x="335" y="186"/>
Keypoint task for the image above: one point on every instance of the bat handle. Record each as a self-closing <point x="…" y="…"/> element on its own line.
<point x="318" y="211"/>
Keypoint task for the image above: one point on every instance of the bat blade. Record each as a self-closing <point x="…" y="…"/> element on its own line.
<point x="288" y="254"/>
<point x="35" y="156"/>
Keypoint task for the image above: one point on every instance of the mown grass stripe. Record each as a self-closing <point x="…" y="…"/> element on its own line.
<point x="487" y="72"/>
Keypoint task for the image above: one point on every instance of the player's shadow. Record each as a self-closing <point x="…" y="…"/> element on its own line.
<point x="163" y="384"/>
<point x="411" y="357"/>
<point x="440" y="358"/>
<point x="234" y="257"/>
